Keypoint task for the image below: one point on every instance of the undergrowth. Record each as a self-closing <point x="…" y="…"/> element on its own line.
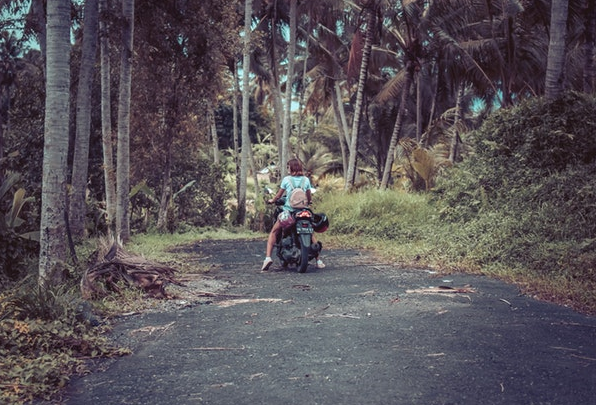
<point x="520" y="208"/>
<point x="408" y="230"/>
<point x="46" y="338"/>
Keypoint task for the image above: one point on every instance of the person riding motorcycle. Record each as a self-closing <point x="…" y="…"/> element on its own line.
<point x="296" y="177"/>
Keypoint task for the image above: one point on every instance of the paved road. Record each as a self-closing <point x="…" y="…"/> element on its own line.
<point x="356" y="332"/>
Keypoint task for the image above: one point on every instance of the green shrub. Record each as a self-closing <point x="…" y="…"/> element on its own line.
<point x="528" y="194"/>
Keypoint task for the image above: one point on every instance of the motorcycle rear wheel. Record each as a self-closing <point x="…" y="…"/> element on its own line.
<point x="303" y="259"/>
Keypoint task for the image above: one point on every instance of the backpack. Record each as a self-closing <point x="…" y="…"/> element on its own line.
<point x="297" y="196"/>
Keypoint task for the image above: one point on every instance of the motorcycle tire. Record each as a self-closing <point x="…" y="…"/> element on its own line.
<point x="303" y="259"/>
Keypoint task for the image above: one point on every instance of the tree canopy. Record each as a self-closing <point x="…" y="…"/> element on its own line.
<point x="360" y="83"/>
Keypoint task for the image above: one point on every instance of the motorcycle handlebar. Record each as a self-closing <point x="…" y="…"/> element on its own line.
<point x="280" y="202"/>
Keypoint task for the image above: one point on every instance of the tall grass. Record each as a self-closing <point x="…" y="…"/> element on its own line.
<point x="400" y="226"/>
<point x="521" y="207"/>
<point x="408" y="229"/>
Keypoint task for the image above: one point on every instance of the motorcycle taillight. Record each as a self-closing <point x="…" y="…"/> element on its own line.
<point x="303" y="214"/>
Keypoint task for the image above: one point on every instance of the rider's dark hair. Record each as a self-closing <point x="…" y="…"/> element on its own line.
<point x="295" y="167"/>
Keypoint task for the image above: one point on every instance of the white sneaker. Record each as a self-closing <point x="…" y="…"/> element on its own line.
<point x="267" y="263"/>
<point x="320" y="264"/>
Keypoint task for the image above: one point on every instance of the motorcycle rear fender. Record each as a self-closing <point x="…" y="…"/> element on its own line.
<point x="305" y="239"/>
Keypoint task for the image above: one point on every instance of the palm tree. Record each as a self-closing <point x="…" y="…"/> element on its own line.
<point x="370" y="11"/>
<point x="589" y="76"/>
<point x="408" y="37"/>
<point x="455" y="45"/>
<point x="106" y="118"/>
<point x="77" y="208"/>
<point x="405" y="92"/>
<point x="123" y="154"/>
<point x="266" y="64"/>
<point x="326" y="71"/>
<point x="555" y="73"/>
<point x="244" y="154"/>
<point x="285" y="140"/>
<point x="53" y="196"/>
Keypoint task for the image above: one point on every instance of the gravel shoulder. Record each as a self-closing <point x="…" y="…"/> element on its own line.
<point x="355" y="332"/>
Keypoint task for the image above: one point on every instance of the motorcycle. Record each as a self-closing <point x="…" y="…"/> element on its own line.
<point x="294" y="243"/>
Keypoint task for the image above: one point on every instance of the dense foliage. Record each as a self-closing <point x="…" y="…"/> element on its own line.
<point x="199" y="198"/>
<point x="531" y="181"/>
<point x="521" y="207"/>
<point x="526" y="198"/>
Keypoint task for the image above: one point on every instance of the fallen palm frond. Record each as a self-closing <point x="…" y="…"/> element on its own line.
<point x="115" y="268"/>
<point x="443" y="290"/>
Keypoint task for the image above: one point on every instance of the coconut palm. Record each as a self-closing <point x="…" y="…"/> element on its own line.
<point x="272" y="19"/>
<point x="285" y="139"/>
<point x="325" y="71"/>
<point x="77" y="207"/>
<point x="580" y="34"/>
<point x="123" y="154"/>
<point x="244" y="153"/>
<point x="556" y="48"/>
<point x="589" y="67"/>
<point x="53" y="196"/>
<point x="106" y="118"/>
<point x="370" y="11"/>
<point x="460" y="45"/>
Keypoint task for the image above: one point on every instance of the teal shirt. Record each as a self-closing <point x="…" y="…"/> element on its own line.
<point x="291" y="182"/>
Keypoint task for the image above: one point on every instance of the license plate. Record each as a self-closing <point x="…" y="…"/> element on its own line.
<point x="304" y="227"/>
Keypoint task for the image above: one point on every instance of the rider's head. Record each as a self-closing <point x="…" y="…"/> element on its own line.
<point x="295" y="167"/>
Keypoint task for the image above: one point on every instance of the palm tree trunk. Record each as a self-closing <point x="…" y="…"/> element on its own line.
<point x="241" y="217"/>
<point x="77" y="210"/>
<point x="590" y="41"/>
<point x="418" y="107"/>
<point x="276" y="93"/>
<point x="168" y="123"/>
<point x="362" y="77"/>
<point x="342" y="126"/>
<point x="431" y="116"/>
<point x="213" y="129"/>
<point x="555" y="67"/>
<point x="455" y="141"/>
<point x="396" y="130"/>
<point x="287" y="129"/>
<point x="303" y="89"/>
<point x="344" y="123"/>
<point x="123" y="155"/>
<point x="236" y="153"/>
<point x="106" y="119"/>
<point x="53" y="246"/>
<point x="166" y="190"/>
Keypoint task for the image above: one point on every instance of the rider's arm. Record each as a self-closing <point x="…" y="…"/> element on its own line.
<point x="280" y="192"/>
<point x="308" y="196"/>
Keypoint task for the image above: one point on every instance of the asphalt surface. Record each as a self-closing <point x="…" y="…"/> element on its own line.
<point x="355" y="332"/>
